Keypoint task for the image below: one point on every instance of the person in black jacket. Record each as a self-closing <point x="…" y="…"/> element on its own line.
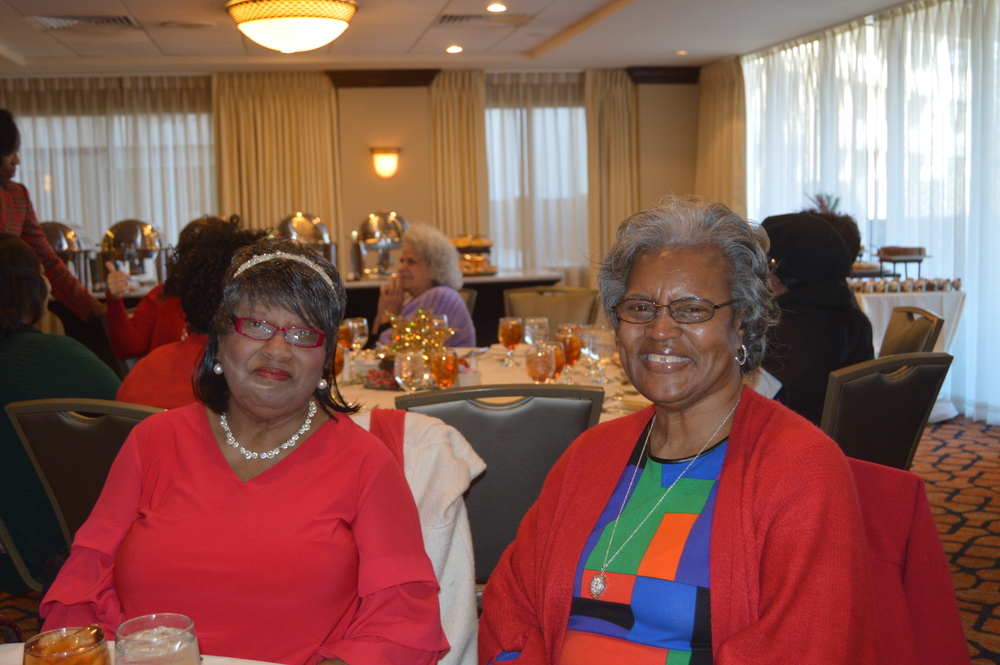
<point x="821" y="329"/>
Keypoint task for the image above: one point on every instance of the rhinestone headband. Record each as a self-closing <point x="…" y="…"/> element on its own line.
<point x="261" y="258"/>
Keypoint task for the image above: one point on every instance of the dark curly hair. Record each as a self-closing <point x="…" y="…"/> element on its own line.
<point x="282" y="283"/>
<point x="22" y="288"/>
<point x="845" y="226"/>
<point x="198" y="266"/>
<point x="9" y="136"/>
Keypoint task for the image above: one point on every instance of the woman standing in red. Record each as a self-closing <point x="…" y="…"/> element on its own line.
<point x="17" y="217"/>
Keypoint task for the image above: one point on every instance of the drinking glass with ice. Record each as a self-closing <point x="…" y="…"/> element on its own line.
<point x="157" y="639"/>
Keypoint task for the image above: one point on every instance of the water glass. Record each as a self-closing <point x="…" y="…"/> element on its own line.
<point x="359" y="332"/>
<point x="157" y="639"/>
<point x="439" y="321"/>
<point x="411" y="370"/>
<point x="560" y="355"/>
<point x="536" y="330"/>
<point x="510" y="332"/>
<point x="602" y="347"/>
<point x="444" y="367"/>
<point x="68" y="646"/>
<point x="540" y="361"/>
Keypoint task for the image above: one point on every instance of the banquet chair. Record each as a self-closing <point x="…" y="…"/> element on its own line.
<point x="469" y="296"/>
<point x="439" y="464"/>
<point x="72" y="444"/>
<point x="910" y="330"/>
<point x="917" y="613"/>
<point x="877" y="410"/>
<point x="519" y="440"/>
<point x="560" y="304"/>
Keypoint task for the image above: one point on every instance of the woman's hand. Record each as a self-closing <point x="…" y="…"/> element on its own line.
<point x="116" y="283"/>
<point x="390" y="299"/>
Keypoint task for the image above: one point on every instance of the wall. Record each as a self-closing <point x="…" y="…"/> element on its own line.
<point x="390" y="118"/>
<point x="668" y="140"/>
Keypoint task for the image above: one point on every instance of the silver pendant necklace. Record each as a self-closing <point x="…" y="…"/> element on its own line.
<point x="249" y="454"/>
<point x="599" y="584"/>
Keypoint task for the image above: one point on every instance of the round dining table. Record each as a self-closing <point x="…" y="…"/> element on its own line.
<point x="13" y="654"/>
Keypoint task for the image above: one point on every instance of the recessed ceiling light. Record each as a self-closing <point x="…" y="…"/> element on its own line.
<point x="496" y="7"/>
<point x="680" y="52"/>
<point x="454" y="49"/>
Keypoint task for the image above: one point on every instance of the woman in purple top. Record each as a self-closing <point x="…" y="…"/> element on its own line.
<point x="429" y="274"/>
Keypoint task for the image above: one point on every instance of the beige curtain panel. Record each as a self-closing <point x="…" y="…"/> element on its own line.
<point x="611" y="101"/>
<point x="720" y="173"/>
<point x="95" y="150"/>
<point x="461" y="196"/>
<point x="276" y="147"/>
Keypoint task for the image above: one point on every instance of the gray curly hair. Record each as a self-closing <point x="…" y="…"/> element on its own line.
<point x="441" y="256"/>
<point x="690" y="221"/>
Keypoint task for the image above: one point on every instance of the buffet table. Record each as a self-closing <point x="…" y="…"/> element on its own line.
<point x="362" y="297"/>
<point x="948" y="304"/>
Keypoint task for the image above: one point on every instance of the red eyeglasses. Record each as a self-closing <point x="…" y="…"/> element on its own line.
<point x="261" y="330"/>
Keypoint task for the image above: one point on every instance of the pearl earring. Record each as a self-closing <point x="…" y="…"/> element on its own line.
<point x="217" y="368"/>
<point x="323" y="385"/>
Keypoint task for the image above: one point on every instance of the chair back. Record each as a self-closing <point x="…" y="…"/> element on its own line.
<point x="877" y="410"/>
<point x="72" y="444"/>
<point x="910" y="330"/>
<point x="469" y="296"/>
<point x="917" y="614"/>
<point x="519" y="440"/>
<point x="560" y="304"/>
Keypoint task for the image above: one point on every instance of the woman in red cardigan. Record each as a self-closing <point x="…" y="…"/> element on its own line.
<point x="716" y="526"/>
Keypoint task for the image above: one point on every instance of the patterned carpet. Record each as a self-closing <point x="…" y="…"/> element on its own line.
<point x="960" y="461"/>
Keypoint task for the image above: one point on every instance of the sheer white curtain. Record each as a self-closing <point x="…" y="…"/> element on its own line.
<point x="536" y="146"/>
<point x="98" y="150"/>
<point x="898" y="116"/>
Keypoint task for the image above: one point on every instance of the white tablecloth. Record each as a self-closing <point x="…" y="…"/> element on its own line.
<point x="948" y="304"/>
<point x="492" y="372"/>
<point x="13" y="654"/>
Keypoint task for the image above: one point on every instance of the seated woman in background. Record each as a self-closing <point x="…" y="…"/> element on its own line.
<point x="429" y="274"/>
<point x="713" y="526"/>
<point x="35" y="366"/>
<point x="821" y="329"/>
<point x="164" y="378"/>
<point x="283" y="529"/>
<point x="158" y="318"/>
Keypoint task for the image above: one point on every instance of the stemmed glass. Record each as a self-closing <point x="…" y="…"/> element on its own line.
<point x="569" y="337"/>
<point x="510" y="333"/>
<point x="359" y="333"/>
<point x="560" y="356"/>
<point x="540" y="361"/>
<point x="410" y="370"/>
<point x="536" y="330"/>
<point x="444" y="367"/>
<point x="602" y="347"/>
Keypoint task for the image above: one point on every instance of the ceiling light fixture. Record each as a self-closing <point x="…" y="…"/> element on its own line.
<point x="386" y="161"/>
<point x="291" y="26"/>
<point x="680" y="52"/>
<point x="454" y="49"/>
<point x="496" y="7"/>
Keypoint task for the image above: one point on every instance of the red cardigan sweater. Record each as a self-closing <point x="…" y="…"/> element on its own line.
<point x="789" y="569"/>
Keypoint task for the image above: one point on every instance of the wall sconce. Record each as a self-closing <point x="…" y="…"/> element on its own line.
<point x="386" y="161"/>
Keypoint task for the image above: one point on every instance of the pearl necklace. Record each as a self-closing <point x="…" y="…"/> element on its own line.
<point x="248" y="454"/>
<point x="599" y="584"/>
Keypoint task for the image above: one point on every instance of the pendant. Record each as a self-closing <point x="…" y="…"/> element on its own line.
<point x="598" y="585"/>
